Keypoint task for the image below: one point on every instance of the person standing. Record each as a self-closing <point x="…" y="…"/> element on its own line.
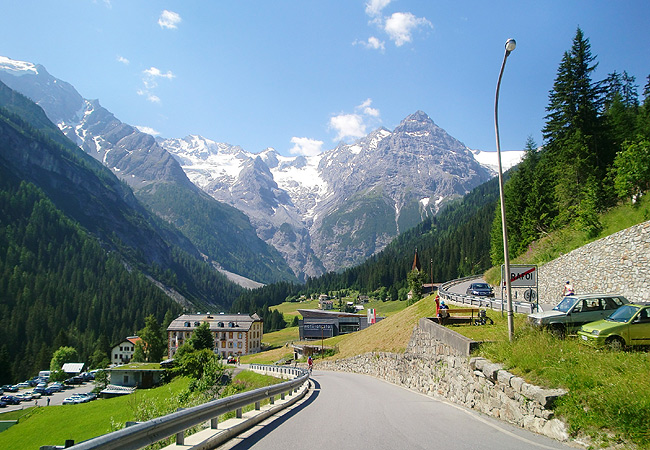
<point x="568" y="289"/>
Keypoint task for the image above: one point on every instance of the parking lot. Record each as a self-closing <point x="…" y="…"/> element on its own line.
<point x="55" y="399"/>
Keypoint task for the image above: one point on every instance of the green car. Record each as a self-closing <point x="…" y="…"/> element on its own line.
<point x="628" y="326"/>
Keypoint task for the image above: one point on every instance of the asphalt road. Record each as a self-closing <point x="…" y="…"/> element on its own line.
<point x="461" y="288"/>
<point x="350" y="411"/>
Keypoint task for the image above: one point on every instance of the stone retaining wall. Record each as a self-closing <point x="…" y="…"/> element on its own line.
<point x="432" y="367"/>
<point x="619" y="263"/>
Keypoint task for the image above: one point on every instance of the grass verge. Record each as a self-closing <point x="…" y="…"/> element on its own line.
<point x="609" y="392"/>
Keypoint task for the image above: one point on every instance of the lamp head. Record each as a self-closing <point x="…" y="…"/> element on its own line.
<point x="510" y="45"/>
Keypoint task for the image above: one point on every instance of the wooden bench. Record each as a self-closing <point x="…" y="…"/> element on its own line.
<point x="456" y="316"/>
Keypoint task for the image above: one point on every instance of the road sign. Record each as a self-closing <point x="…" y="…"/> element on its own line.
<point x="521" y="276"/>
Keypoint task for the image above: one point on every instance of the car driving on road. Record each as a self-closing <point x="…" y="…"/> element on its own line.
<point x="480" y="290"/>
<point x="628" y="326"/>
<point x="576" y="310"/>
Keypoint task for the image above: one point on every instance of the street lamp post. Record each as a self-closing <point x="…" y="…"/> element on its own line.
<point x="510" y="46"/>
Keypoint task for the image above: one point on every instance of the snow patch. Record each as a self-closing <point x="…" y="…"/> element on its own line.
<point x="17" y="68"/>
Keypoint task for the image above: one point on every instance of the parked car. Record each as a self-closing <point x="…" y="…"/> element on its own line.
<point x="576" y="310"/>
<point x="51" y="390"/>
<point x="10" y="400"/>
<point x="480" y="290"/>
<point x="25" y="397"/>
<point x="41" y="391"/>
<point x="628" y="326"/>
<point x="3" y="404"/>
<point x="9" y="388"/>
<point x="24" y="384"/>
<point x="35" y="395"/>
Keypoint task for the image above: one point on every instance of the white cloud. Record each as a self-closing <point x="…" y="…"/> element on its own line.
<point x="148" y="130"/>
<point x="169" y="19"/>
<point x="354" y="126"/>
<point x="150" y="97"/>
<point x="348" y="126"/>
<point x="374" y="7"/>
<point x="372" y="43"/>
<point x="367" y="110"/>
<point x="155" y="72"/>
<point x="123" y="60"/>
<point x="305" y="146"/>
<point x="400" y="27"/>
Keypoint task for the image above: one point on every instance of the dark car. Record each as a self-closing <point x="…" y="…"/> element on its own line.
<point x="9" y="388"/>
<point x="3" y="404"/>
<point x="41" y="390"/>
<point x="480" y="290"/>
<point x="51" y="390"/>
<point x="10" y="400"/>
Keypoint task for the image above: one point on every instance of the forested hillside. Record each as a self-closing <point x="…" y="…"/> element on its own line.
<point x="58" y="286"/>
<point x="78" y="252"/>
<point x="596" y="153"/>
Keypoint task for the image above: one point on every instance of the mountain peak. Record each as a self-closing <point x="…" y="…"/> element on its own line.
<point x="418" y="116"/>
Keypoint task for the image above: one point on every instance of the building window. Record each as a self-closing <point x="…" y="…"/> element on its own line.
<point x="238" y="344"/>
<point x="238" y="335"/>
<point x="230" y="335"/>
<point x="126" y="379"/>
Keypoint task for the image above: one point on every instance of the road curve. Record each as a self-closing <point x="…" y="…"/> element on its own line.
<point x="351" y="411"/>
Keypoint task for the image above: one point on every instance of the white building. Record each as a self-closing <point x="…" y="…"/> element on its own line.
<point x="234" y="334"/>
<point x="122" y="353"/>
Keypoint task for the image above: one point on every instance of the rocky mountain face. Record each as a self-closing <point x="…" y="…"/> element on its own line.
<point x="334" y="210"/>
<point x="222" y="233"/>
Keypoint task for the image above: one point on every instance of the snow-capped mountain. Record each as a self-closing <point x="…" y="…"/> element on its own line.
<point x="222" y="233"/>
<point x="336" y="209"/>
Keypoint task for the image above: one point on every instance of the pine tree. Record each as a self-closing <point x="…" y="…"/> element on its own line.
<point x="574" y="144"/>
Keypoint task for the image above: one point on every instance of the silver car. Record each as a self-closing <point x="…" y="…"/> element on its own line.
<point x="576" y="310"/>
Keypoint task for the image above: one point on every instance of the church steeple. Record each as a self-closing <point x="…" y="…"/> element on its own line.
<point x="416" y="262"/>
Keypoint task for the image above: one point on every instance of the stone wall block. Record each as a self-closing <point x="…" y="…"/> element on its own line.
<point x="504" y="377"/>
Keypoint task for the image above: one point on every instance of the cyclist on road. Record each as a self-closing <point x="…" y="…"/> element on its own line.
<point x="310" y="364"/>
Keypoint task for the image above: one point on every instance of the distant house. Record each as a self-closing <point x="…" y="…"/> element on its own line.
<point x="326" y="304"/>
<point x="234" y="334"/>
<point x="122" y="353"/>
<point x="140" y="375"/>
<point x="317" y="324"/>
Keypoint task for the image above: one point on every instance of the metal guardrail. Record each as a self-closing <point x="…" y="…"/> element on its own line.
<point x="496" y="304"/>
<point x="146" y="433"/>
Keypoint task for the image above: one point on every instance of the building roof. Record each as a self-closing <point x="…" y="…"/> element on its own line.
<point x="72" y="367"/>
<point x="218" y="322"/>
<point x="416" y="262"/>
<point x="138" y="367"/>
<point x="326" y="314"/>
<point x="131" y="340"/>
<point x="113" y="389"/>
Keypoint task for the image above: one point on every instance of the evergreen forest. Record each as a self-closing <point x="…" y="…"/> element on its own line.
<point x="596" y="153"/>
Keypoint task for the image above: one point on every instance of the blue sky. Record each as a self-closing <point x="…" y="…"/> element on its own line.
<point x="300" y="76"/>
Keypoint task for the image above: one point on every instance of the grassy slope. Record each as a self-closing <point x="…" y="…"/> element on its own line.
<point x="43" y="425"/>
